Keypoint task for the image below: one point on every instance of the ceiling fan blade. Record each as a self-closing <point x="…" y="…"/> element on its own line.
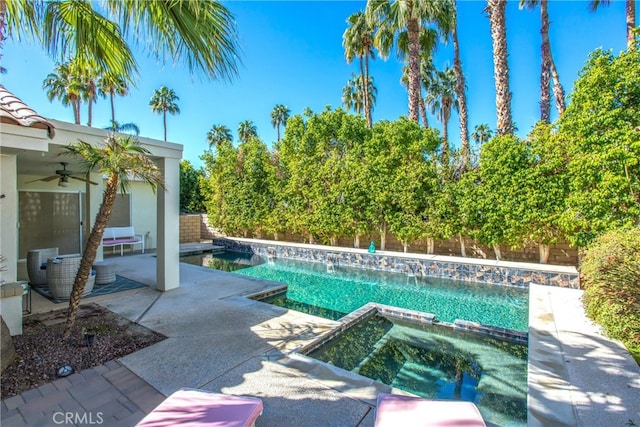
<point x="46" y="179"/>
<point x="85" y="180"/>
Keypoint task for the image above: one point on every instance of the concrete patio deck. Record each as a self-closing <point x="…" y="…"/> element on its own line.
<point x="220" y="341"/>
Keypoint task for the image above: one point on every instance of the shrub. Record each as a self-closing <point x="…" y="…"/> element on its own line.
<point x="611" y="279"/>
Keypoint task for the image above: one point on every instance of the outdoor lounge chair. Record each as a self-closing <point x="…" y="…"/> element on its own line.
<point x="37" y="264"/>
<point x="407" y="411"/>
<point x="190" y="407"/>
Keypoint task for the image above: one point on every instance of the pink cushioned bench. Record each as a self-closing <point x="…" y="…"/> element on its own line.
<point x="190" y="407"/>
<point x="120" y="236"/>
<point x="407" y="411"/>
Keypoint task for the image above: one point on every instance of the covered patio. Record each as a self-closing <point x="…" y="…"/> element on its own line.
<point x="40" y="210"/>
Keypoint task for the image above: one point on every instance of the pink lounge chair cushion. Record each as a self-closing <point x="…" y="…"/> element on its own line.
<point x="407" y="411"/>
<point x="189" y="407"/>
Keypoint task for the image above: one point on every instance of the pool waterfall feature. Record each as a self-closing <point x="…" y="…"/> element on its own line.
<point x="448" y="267"/>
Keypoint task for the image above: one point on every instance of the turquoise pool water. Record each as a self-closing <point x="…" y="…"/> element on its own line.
<point x="437" y="362"/>
<point x="349" y="289"/>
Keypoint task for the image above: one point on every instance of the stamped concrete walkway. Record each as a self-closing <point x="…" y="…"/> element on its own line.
<point x="220" y="341"/>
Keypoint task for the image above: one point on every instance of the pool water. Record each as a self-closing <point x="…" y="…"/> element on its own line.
<point x="225" y="261"/>
<point x="348" y="289"/>
<point x="437" y="362"/>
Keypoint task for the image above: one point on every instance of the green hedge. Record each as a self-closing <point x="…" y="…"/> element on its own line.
<point x="611" y="279"/>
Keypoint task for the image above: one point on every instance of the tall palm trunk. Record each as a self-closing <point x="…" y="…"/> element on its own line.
<point x="548" y="66"/>
<point x="423" y="112"/>
<point x="164" y="121"/>
<point x="545" y="72"/>
<point x="413" y="33"/>
<point x="462" y="97"/>
<point x="558" y="91"/>
<point x="113" y="107"/>
<point x="90" y="113"/>
<point x="367" y="106"/>
<point x="90" y="250"/>
<point x="496" y="10"/>
<point x="631" y="22"/>
<point x="445" y="135"/>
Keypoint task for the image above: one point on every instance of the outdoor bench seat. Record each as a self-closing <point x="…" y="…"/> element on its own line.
<point x="408" y="411"/>
<point x="191" y="407"/>
<point x="120" y="236"/>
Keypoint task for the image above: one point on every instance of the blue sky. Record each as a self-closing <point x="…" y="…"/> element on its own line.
<point x="292" y="54"/>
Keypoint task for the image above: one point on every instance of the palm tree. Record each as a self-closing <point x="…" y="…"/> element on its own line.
<point x="164" y="101"/>
<point x="247" y="130"/>
<point x="442" y="97"/>
<point x="548" y="67"/>
<point x="428" y="46"/>
<point x="219" y="134"/>
<point x="121" y="159"/>
<point x="88" y="78"/>
<point x="395" y="16"/>
<point x="124" y="127"/>
<point x="197" y="33"/>
<point x="358" y="42"/>
<point x="481" y="134"/>
<point x="110" y="84"/>
<point x="460" y="91"/>
<point x="65" y="85"/>
<point x="630" y="9"/>
<point x="279" y="117"/>
<point x="496" y="11"/>
<point x="353" y="94"/>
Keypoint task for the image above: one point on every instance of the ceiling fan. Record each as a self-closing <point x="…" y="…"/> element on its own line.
<point x="63" y="175"/>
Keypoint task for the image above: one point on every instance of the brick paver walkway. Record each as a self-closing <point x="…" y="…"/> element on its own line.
<point x="108" y="395"/>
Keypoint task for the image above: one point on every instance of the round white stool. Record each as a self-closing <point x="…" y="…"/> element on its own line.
<point x="105" y="272"/>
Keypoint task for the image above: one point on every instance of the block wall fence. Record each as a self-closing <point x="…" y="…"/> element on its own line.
<point x="195" y="228"/>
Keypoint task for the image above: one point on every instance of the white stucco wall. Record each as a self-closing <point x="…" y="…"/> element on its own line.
<point x="8" y="217"/>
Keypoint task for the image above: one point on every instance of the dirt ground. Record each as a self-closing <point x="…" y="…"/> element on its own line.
<point x="42" y="350"/>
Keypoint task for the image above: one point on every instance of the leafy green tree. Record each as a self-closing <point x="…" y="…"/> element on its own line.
<point x="121" y="159"/>
<point x="279" y="117"/>
<point x="545" y="181"/>
<point x="191" y="197"/>
<point x="218" y="190"/>
<point x="164" y="101"/>
<point x="499" y="194"/>
<point x="247" y="130"/>
<point x="251" y="199"/>
<point x="394" y="206"/>
<point x="219" y="134"/>
<point x="314" y="156"/>
<point x="600" y="127"/>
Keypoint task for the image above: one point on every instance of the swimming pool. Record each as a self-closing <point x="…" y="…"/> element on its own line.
<point x="311" y="286"/>
<point x="435" y="361"/>
<point x="224" y="261"/>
